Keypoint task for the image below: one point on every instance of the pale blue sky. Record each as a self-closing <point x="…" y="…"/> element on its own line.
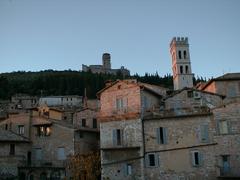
<point x="64" y="34"/>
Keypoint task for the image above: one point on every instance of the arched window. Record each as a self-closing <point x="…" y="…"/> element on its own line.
<point x="185" y="54"/>
<point x="179" y="54"/>
<point x="181" y="69"/>
<point x="186" y="69"/>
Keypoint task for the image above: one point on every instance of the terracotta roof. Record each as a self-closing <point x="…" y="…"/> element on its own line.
<point x="151" y="88"/>
<point x="229" y="76"/>
<point x="186" y="88"/>
<point x="9" y="136"/>
<point x="225" y="77"/>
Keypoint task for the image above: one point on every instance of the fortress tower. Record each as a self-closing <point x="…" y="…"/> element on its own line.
<point x="181" y="65"/>
<point x="106" y="61"/>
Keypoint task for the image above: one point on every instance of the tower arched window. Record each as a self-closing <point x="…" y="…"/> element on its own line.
<point x="181" y="69"/>
<point x="185" y="54"/>
<point x="186" y="69"/>
<point x="179" y="54"/>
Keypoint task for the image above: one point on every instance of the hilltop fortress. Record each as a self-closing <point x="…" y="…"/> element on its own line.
<point x="105" y="68"/>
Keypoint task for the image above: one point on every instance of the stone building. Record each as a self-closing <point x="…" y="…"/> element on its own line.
<point x="121" y="106"/>
<point x="21" y="102"/>
<point x="188" y="134"/>
<point x="226" y="135"/>
<point x="86" y="126"/>
<point x="228" y="85"/>
<point x="105" y="68"/>
<point x="51" y="141"/>
<point x="68" y="100"/>
<point x="13" y="153"/>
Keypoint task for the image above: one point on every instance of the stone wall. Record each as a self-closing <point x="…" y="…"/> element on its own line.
<point x="182" y="138"/>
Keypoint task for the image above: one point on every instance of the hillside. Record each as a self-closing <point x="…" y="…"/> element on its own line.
<point x="50" y="82"/>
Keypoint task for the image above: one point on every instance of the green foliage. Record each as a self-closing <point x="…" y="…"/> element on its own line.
<point x="50" y="82"/>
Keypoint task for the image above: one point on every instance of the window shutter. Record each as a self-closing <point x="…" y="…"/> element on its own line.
<point x="204" y="133"/>
<point x="200" y="157"/>
<point x="156" y="160"/>
<point x="229" y="127"/>
<point x="114" y="133"/>
<point x="165" y="134"/>
<point x="193" y="158"/>
<point x="146" y="160"/>
<point x="126" y="169"/>
<point x="121" y="134"/>
<point x="158" y="135"/>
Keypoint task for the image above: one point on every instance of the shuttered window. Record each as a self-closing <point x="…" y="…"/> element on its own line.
<point x="117" y="137"/>
<point x="38" y="154"/>
<point x="204" y="133"/>
<point x="161" y="135"/>
<point x="61" y="153"/>
<point x="196" y="158"/>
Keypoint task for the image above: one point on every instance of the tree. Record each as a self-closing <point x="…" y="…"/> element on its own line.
<point x="85" y="166"/>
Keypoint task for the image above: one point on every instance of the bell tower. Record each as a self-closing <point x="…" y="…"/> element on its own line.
<point x="181" y="64"/>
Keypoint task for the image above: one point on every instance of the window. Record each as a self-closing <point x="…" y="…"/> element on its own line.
<point x="12" y="149"/>
<point x="224" y="127"/>
<point x="225" y="164"/>
<point x="185" y="54"/>
<point x="117" y="137"/>
<point x="43" y="131"/>
<point x="196" y="158"/>
<point x="61" y="153"/>
<point x="94" y="123"/>
<point x="145" y="102"/>
<point x="128" y="169"/>
<point x="190" y="94"/>
<point x="119" y="103"/>
<point x="181" y="69"/>
<point x="186" y="69"/>
<point x="179" y="54"/>
<point x="231" y="91"/>
<point x="21" y="129"/>
<point x="6" y="126"/>
<point x="81" y="134"/>
<point x="204" y="133"/>
<point x="162" y="135"/>
<point x="83" y="122"/>
<point x="151" y="160"/>
<point x="38" y="153"/>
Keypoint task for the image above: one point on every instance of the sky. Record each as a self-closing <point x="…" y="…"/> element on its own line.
<point x="64" y="34"/>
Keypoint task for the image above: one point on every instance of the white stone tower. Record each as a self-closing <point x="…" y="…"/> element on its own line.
<point x="106" y="60"/>
<point x="181" y="64"/>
